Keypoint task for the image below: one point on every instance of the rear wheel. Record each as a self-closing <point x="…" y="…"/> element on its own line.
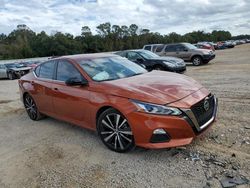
<point x="31" y="108"/>
<point x="114" y="131"/>
<point x="197" y="60"/>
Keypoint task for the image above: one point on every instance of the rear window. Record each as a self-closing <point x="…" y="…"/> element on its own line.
<point x="159" y="48"/>
<point x="47" y="70"/>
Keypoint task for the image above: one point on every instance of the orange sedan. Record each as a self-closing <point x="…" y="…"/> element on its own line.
<point x="124" y="103"/>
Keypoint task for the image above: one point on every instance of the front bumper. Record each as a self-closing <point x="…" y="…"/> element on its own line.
<point x="209" y="57"/>
<point x="179" y="69"/>
<point x="180" y="129"/>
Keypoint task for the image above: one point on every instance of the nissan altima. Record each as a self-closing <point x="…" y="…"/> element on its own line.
<point x="127" y="105"/>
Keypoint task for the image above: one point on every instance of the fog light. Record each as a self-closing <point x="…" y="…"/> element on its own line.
<point x="159" y="135"/>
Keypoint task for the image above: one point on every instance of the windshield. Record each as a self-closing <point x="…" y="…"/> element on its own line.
<point x="10" y="65"/>
<point x="190" y="46"/>
<point x="147" y="54"/>
<point x="110" y="68"/>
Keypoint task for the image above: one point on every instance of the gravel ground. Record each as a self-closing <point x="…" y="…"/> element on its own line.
<point x="51" y="153"/>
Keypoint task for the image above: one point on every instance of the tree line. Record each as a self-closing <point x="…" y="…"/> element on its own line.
<point x="26" y="43"/>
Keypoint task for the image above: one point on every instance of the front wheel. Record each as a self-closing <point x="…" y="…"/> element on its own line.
<point x="197" y="60"/>
<point x="114" y="131"/>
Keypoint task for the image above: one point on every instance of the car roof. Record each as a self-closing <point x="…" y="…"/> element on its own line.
<point x="152" y="44"/>
<point x="135" y="50"/>
<point x="79" y="57"/>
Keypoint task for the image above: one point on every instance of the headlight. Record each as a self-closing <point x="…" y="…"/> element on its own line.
<point x="172" y="65"/>
<point x="156" y="109"/>
<point x="206" y="53"/>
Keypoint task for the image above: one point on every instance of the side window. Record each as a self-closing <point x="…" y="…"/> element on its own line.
<point x="132" y="56"/>
<point x="154" y="48"/>
<point x="47" y="70"/>
<point x="180" y="48"/>
<point x="159" y="48"/>
<point x="170" y="48"/>
<point x="66" y="70"/>
<point x="147" y="48"/>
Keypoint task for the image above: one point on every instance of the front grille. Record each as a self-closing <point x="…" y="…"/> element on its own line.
<point x="202" y="116"/>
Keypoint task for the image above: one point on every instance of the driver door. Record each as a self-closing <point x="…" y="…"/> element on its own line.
<point x="71" y="103"/>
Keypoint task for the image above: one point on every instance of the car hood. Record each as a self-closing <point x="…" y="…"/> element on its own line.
<point x="168" y="59"/>
<point x="203" y="50"/>
<point x="157" y="87"/>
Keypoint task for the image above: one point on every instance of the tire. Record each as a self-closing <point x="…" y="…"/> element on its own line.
<point x="197" y="61"/>
<point x="11" y="76"/>
<point x="114" y="131"/>
<point x="158" y="67"/>
<point x="31" y="108"/>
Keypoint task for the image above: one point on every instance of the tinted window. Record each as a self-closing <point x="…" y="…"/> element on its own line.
<point x="66" y="70"/>
<point x="180" y="47"/>
<point x="159" y="48"/>
<point x="133" y="56"/>
<point x="147" y="48"/>
<point x="123" y="54"/>
<point x="170" y="48"/>
<point x="47" y="70"/>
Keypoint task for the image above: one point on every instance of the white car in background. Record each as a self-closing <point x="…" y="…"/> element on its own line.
<point x="13" y="70"/>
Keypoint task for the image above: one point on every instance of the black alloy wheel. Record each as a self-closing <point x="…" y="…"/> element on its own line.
<point x="114" y="131"/>
<point x="197" y="61"/>
<point x="31" y="108"/>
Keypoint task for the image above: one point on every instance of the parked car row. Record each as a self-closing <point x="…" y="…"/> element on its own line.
<point x="152" y="61"/>
<point x="184" y="51"/>
<point x="16" y="70"/>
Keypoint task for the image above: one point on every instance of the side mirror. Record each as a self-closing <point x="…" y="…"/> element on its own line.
<point x="76" y="82"/>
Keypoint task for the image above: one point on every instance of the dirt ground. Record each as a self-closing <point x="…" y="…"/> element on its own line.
<point x="51" y="153"/>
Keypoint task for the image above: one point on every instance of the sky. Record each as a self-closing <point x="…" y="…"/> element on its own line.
<point x="163" y="16"/>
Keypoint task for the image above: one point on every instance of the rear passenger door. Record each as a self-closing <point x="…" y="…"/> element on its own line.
<point x="42" y="91"/>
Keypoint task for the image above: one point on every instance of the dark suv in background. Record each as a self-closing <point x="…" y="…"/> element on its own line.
<point x="187" y="52"/>
<point x="152" y="61"/>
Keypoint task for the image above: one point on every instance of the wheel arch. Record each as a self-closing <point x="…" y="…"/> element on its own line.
<point x="24" y="95"/>
<point x="101" y="110"/>
<point x="196" y="55"/>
